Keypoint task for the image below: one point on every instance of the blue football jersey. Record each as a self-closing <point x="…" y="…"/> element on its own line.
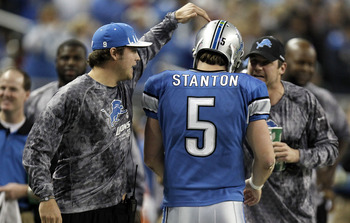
<point x="203" y="117"/>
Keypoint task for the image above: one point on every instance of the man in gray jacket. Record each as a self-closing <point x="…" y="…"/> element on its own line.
<point x="88" y="123"/>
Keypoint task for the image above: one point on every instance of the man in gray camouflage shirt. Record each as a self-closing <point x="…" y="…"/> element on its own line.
<point x="71" y="57"/>
<point x="88" y="123"/>
<point x="302" y="59"/>
<point x="307" y="141"/>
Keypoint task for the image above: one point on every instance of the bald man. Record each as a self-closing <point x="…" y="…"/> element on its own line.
<point x="301" y="58"/>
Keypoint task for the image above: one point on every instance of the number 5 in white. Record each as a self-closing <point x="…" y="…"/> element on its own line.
<point x="193" y="123"/>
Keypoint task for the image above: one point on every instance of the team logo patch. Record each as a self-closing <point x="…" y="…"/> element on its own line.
<point x="117" y="110"/>
<point x="264" y="42"/>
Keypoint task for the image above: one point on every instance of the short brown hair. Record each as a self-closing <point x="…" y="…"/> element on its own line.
<point x="213" y="58"/>
<point x="100" y="57"/>
<point x="27" y="84"/>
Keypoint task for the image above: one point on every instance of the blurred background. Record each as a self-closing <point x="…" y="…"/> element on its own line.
<point x="31" y="30"/>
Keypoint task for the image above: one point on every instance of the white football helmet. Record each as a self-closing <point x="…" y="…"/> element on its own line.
<point x="222" y="37"/>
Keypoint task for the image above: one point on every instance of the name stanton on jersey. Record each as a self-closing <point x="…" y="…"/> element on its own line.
<point x="223" y="80"/>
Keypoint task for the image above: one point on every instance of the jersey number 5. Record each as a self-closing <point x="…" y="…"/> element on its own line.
<point x="193" y="123"/>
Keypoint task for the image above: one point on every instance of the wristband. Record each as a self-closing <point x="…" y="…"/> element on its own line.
<point x="253" y="185"/>
<point x="47" y="198"/>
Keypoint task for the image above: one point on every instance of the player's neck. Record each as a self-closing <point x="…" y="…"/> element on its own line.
<point x="208" y="67"/>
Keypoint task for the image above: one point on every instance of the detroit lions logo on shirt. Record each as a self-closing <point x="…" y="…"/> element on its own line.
<point x="117" y="110"/>
<point x="264" y="42"/>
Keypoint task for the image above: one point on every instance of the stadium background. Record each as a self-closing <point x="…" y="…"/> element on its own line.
<point x="31" y="30"/>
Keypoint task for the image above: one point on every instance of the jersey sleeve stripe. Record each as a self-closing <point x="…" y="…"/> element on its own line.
<point x="149" y="102"/>
<point x="258" y="98"/>
<point x="260" y="106"/>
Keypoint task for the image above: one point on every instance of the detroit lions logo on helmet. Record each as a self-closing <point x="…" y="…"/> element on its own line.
<point x="117" y="110"/>
<point x="264" y="42"/>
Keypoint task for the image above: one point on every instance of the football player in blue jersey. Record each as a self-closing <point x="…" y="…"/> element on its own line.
<point x="196" y="123"/>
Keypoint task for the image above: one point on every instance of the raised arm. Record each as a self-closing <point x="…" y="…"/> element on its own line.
<point x="189" y="11"/>
<point x="161" y="33"/>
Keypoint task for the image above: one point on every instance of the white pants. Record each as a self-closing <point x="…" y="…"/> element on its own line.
<point x="225" y="212"/>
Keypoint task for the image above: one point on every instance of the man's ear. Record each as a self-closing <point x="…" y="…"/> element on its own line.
<point x="283" y="68"/>
<point x="27" y="95"/>
<point x="114" y="53"/>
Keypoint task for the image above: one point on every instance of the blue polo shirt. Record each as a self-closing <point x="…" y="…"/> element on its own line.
<point x="11" y="151"/>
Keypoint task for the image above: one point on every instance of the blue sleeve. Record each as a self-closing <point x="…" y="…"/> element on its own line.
<point x="151" y="94"/>
<point x="259" y="107"/>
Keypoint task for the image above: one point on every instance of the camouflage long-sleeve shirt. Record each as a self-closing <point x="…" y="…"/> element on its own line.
<point x="288" y="196"/>
<point x="89" y="126"/>
<point x="335" y="114"/>
<point x="37" y="102"/>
